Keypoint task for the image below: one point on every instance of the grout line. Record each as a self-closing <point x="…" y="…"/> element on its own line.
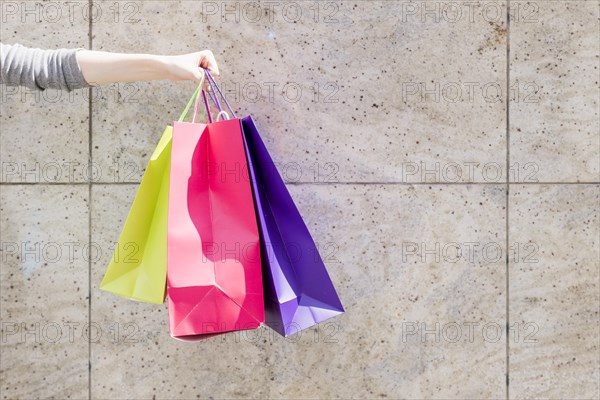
<point x="90" y="147"/>
<point x="508" y="183"/>
<point x="317" y="183"/>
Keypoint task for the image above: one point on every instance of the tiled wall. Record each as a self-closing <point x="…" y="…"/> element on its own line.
<point x="442" y="216"/>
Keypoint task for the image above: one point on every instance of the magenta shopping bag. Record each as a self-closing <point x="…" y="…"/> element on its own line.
<point x="214" y="276"/>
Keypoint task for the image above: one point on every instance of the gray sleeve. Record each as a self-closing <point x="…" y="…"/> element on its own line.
<point x="40" y="69"/>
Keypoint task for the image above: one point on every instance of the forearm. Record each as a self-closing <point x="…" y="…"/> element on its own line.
<point x="99" y="67"/>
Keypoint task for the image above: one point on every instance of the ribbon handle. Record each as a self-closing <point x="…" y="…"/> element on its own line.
<point x="196" y="98"/>
<point x="189" y="104"/>
<point x="214" y="85"/>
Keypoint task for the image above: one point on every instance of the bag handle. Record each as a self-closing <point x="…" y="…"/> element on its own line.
<point x="223" y="112"/>
<point x="196" y="99"/>
<point x="214" y="85"/>
<point x="208" y="112"/>
<point x="189" y="104"/>
<point x="213" y="96"/>
<point x="215" y="100"/>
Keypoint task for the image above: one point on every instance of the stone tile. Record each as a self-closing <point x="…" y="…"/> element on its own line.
<point x="44" y="288"/>
<point x="328" y="114"/>
<point x="554" y="292"/>
<point x="44" y="134"/>
<point x="554" y="127"/>
<point x="138" y="349"/>
<point x="392" y="295"/>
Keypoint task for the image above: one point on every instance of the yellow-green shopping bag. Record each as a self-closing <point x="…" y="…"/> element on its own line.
<point x="138" y="268"/>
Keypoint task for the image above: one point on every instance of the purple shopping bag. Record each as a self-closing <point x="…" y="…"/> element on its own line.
<point x="297" y="288"/>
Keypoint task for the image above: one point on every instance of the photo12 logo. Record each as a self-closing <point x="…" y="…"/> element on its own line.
<point x="468" y="92"/>
<point x="327" y="12"/>
<point x="272" y="92"/>
<point x="49" y="12"/>
<point x="467" y="332"/>
<point x="119" y="93"/>
<point x="470" y="252"/>
<point x="51" y="332"/>
<point x="465" y="172"/>
<point x="452" y="12"/>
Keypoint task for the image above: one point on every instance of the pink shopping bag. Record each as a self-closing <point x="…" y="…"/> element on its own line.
<point x="214" y="279"/>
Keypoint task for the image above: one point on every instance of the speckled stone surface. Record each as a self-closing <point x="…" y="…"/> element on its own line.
<point x="44" y="289"/>
<point x="396" y="153"/>
<point x="555" y="292"/>
<point x="44" y="134"/>
<point x="555" y="123"/>
<point x="394" y="295"/>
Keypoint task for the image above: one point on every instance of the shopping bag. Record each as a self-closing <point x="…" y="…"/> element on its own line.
<point x="298" y="290"/>
<point x="138" y="267"/>
<point x="214" y="280"/>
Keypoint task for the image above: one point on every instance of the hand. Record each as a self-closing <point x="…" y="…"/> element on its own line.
<point x="186" y="67"/>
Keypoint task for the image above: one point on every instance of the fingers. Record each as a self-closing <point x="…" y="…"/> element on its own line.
<point x="206" y="85"/>
<point x="198" y="73"/>
<point x="208" y="61"/>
